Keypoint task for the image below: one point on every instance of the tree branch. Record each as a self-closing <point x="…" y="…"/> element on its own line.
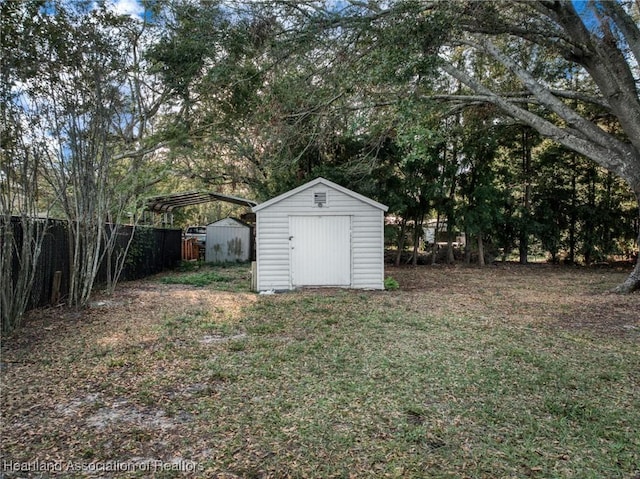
<point x="140" y="152"/>
<point x="626" y="25"/>
<point x="570" y="138"/>
<point x="546" y="98"/>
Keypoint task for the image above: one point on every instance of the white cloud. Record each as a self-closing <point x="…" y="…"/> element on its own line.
<point x="132" y="8"/>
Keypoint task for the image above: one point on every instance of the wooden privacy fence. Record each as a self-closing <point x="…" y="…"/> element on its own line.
<point x="152" y="251"/>
<point x="190" y="249"/>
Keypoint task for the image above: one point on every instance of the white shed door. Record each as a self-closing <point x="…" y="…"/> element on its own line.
<point x="320" y="250"/>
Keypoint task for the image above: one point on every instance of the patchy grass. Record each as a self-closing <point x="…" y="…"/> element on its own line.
<point x="195" y="279"/>
<point x="233" y="277"/>
<point x="502" y="372"/>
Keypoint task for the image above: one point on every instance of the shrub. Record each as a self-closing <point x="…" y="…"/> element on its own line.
<point x="391" y="284"/>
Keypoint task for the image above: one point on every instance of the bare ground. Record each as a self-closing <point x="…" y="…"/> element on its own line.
<point x="563" y="297"/>
<point x="554" y="296"/>
<point x="58" y="401"/>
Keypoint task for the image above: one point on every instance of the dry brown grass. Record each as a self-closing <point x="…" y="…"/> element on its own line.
<point x="552" y="296"/>
<point x="243" y="385"/>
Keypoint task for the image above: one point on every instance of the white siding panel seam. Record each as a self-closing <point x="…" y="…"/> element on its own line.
<point x="363" y="261"/>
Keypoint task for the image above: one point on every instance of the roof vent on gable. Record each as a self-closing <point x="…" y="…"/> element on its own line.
<point x="319" y="198"/>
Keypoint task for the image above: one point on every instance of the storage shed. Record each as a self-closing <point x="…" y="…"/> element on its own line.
<point x="228" y="240"/>
<point x="320" y="234"/>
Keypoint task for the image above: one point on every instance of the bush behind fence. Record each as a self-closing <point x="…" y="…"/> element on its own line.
<point x="152" y="251"/>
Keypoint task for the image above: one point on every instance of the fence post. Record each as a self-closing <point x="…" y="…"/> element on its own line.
<point x="254" y="276"/>
<point x="55" y="288"/>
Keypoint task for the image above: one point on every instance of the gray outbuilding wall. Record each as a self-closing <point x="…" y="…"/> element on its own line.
<point x="228" y="241"/>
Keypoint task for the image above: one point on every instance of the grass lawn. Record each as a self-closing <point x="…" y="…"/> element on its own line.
<point x="502" y="372"/>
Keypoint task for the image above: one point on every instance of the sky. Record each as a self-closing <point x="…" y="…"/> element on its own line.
<point x="127" y="7"/>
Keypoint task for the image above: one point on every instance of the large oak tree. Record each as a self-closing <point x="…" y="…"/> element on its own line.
<point x="570" y="74"/>
<point x="600" y="45"/>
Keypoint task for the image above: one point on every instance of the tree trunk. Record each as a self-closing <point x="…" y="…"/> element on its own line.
<point x="400" y="243"/>
<point x="480" y="250"/>
<point x="524" y="225"/>
<point x="632" y="283"/>
<point x="416" y="241"/>
<point x="450" y="221"/>
<point x="467" y="249"/>
<point x="451" y="259"/>
<point x="573" y="220"/>
<point x="589" y="227"/>
<point x="434" y="254"/>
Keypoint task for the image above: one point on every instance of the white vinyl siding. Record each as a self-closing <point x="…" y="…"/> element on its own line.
<point x="228" y="241"/>
<point x="273" y="232"/>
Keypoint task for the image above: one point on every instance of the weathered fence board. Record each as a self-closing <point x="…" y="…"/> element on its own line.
<point x="152" y="251"/>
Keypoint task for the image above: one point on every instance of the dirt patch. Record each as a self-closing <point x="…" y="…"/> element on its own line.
<point x="567" y="297"/>
<point x="124" y="412"/>
<point x="217" y="338"/>
<point x="101" y="416"/>
<point x="145" y="373"/>
<point x="546" y="295"/>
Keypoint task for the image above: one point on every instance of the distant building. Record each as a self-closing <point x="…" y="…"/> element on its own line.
<point x="228" y="241"/>
<point x="432" y="236"/>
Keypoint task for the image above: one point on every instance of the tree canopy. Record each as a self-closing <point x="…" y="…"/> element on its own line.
<point x="512" y="120"/>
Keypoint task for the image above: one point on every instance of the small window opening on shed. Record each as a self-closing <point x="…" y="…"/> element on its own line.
<point x="319" y="198"/>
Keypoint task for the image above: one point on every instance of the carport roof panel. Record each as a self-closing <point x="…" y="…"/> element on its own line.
<point x="168" y="203"/>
